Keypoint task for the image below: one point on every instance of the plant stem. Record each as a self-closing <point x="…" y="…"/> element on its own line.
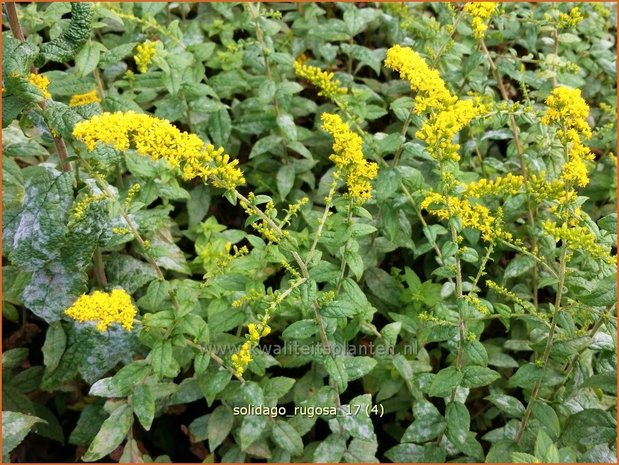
<point x="18" y="33"/>
<point x="549" y="341"/>
<point x="523" y="168"/>
<point x="99" y="269"/>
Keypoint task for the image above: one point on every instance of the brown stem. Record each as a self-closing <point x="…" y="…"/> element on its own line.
<point x="99" y="269"/>
<point x="18" y="33"/>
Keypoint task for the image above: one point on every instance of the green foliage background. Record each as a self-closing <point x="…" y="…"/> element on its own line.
<point x="382" y="274"/>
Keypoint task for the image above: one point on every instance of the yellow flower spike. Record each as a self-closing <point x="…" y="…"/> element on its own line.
<point x="84" y="99"/>
<point x="568" y="110"/>
<point x="348" y="158"/>
<point x="158" y="138"/>
<point x="105" y="309"/>
<point x="144" y="56"/>
<point x="40" y="82"/>
<point x="440" y="128"/>
<point x="480" y="12"/>
<point x="432" y="93"/>
<point x="329" y="87"/>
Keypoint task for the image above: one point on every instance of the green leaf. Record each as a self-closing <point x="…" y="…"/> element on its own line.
<point x="338" y="309"/>
<point x="88" y="425"/>
<point x="330" y="450"/>
<point x="65" y="46"/>
<point x="162" y="360"/>
<point x="128" y="272"/>
<point x="526" y="376"/>
<point x="413" y="453"/>
<point x="143" y="403"/>
<point x="17" y="57"/>
<point x="128" y="377"/>
<point x="507" y="404"/>
<point x="475" y="376"/>
<point x="285" y="179"/>
<point x="286" y="437"/>
<point x="603" y="294"/>
<point x="358" y="366"/>
<point x="12" y="358"/>
<point x="287" y="126"/>
<point x="61" y="118"/>
<point x="212" y="384"/>
<point x="428" y="423"/>
<point x="15" y="427"/>
<point x="458" y="422"/>
<point x="589" y="427"/>
<point x="546" y="415"/>
<point x="54" y="346"/>
<point x="301" y="329"/>
<point x="112" y="433"/>
<point x="251" y="429"/>
<point x="444" y="381"/>
<point x="219" y="426"/>
<point x="519" y="266"/>
<point x="219" y="127"/>
<point x="523" y="457"/>
<point x="609" y="223"/>
<point x="607" y="383"/>
<point x="87" y="58"/>
<point x="545" y="449"/>
<point x="475" y="352"/>
<point x="337" y="370"/>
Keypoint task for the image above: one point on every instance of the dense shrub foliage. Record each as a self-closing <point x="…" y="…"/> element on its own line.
<point x="309" y="232"/>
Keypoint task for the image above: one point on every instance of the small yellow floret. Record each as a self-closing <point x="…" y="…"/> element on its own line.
<point x="40" y="82"/>
<point x="84" y="99"/>
<point x="329" y="87"/>
<point x="158" y="138"/>
<point x="348" y="157"/>
<point x="432" y="93"/>
<point x="104" y="308"/>
<point x="480" y="12"/>
<point x="144" y="56"/>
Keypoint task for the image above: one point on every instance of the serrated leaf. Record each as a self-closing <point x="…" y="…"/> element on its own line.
<point x="475" y="376"/>
<point x="15" y="427"/>
<point x="112" y="433"/>
<point x="286" y="437"/>
<point x="330" y="450"/>
<point x="251" y="429"/>
<point x="143" y="404"/>
<point x="444" y="381"/>
<point x="337" y="370"/>
<point x="285" y="180"/>
<point x="219" y="426"/>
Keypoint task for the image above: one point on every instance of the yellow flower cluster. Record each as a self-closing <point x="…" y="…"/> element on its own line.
<point x="474" y="216"/>
<point x="104" y="308"/>
<point x="256" y="331"/>
<point x="439" y="129"/>
<point x="432" y="93"/>
<point x="348" y="158"/>
<point x="84" y="99"/>
<point x="145" y="54"/>
<point x="480" y="12"/>
<point x="570" y="20"/>
<point x="329" y="87"/>
<point x="80" y="208"/>
<point x="263" y="226"/>
<point x="508" y="184"/>
<point x="501" y="290"/>
<point x="569" y="111"/>
<point x="158" y="138"/>
<point x="578" y="237"/>
<point x="40" y="82"/>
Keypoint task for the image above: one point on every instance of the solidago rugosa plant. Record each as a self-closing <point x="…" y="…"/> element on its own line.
<point x="316" y="233"/>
